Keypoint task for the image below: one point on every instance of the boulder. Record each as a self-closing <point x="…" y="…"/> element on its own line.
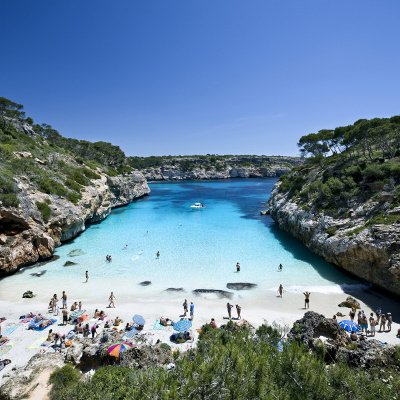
<point x="69" y="263"/>
<point x="75" y="253"/>
<point x="241" y="286"/>
<point x="172" y="289"/>
<point x="146" y="357"/>
<point x="350" y="302"/>
<point x="218" y="292"/>
<point x="28" y="294"/>
<point x="145" y="283"/>
<point x="74" y="353"/>
<point x="38" y="274"/>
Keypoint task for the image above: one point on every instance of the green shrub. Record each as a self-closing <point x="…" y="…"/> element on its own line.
<point x="62" y="379"/>
<point x="331" y="230"/>
<point x="45" y="210"/>
<point x="373" y="172"/>
<point x="9" y="200"/>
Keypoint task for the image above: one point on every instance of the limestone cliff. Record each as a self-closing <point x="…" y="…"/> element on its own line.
<point x="219" y="167"/>
<point x="26" y="236"/>
<point x="369" y="251"/>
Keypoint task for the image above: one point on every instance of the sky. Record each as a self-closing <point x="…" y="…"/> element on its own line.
<point x="160" y="77"/>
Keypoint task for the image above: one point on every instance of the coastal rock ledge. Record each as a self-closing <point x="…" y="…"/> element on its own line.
<point x="25" y="237"/>
<point x="368" y="251"/>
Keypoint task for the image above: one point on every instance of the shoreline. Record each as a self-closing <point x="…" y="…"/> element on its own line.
<point x="269" y="309"/>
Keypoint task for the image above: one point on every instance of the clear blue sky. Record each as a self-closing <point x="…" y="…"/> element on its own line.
<point x="192" y="77"/>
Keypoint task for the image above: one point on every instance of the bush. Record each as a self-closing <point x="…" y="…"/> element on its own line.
<point x="9" y="200"/>
<point x="45" y="210"/>
<point x="373" y="172"/>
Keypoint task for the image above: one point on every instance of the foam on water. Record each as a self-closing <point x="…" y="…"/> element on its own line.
<point x="199" y="248"/>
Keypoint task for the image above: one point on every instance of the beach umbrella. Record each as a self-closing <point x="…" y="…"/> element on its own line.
<point x="183" y="325"/>
<point x="116" y="349"/>
<point x="138" y="320"/>
<point x="348" y="325"/>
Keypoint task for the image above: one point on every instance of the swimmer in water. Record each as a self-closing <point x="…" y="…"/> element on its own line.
<point x="158" y="254"/>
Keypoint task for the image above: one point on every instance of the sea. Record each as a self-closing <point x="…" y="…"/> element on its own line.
<point x="198" y="248"/>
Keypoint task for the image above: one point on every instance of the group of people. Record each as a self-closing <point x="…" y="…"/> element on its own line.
<point x="368" y="325"/>
<point x="186" y="309"/>
<point x="229" y="307"/>
<point x="108" y="258"/>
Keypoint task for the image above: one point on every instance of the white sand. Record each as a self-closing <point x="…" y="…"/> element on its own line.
<point x="267" y="308"/>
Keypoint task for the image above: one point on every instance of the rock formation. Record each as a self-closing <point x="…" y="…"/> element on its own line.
<point x="200" y="168"/>
<point x="26" y="238"/>
<point x="370" y="252"/>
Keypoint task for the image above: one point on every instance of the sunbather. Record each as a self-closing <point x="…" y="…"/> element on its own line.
<point x="165" y="321"/>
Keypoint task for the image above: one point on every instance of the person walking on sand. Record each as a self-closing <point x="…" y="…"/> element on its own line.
<point x="237" y="267"/>
<point x="191" y="310"/>
<point x="86" y="276"/>
<point x="382" y="325"/>
<point x="307" y="299"/>
<point x="64" y="299"/>
<point x="185" y="307"/>
<point x="352" y="314"/>
<point x="111" y="299"/>
<point x="238" y="311"/>
<point x="280" y="267"/>
<point x="280" y="290"/>
<point x="229" y="307"/>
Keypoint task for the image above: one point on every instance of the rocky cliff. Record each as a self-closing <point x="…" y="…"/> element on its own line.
<point x="220" y="167"/>
<point x="369" y="251"/>
<point x="26" y="236"/>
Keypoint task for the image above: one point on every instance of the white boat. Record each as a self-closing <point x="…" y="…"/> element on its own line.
<point x="198" y="205"/>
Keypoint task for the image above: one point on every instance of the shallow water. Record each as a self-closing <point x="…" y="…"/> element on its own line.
<point x="198" y="248"/>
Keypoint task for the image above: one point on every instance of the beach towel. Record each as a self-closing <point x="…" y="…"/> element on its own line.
<point x="130" y="334"/>
<point x="9" y="329"/>
<point x="5" y="349"/>
<point x="157" y="326"/>
<point x="3" y="340"/>
<point x="36" y="325"/>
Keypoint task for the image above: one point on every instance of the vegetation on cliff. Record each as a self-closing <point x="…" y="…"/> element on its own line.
<point x="233" y="363"/>
<point x="39" y="155"/>
<point x="348" y="166"/>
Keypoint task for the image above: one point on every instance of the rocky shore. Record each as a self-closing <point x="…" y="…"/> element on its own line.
<point x="27" y="237"/>
<point x="368" y="251"/>
<point x="200" y="168"/>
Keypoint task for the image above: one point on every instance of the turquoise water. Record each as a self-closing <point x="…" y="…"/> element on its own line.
<point x="198" y="248"/>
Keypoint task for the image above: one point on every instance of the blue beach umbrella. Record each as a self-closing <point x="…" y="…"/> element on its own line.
<point x="348" y="325"/>
<point x="183" y="325"/>
<point x="138" y="320"/>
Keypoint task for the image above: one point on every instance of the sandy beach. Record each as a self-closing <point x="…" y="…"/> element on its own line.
<point x="269" y="308"/>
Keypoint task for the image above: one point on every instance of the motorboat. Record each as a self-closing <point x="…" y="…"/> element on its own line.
<point x="198" y="205"/>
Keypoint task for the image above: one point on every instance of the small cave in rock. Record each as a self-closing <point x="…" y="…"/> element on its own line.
<point x="11" y="225"/>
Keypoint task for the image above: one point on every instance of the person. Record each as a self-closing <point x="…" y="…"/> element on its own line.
<point x="87" y="276"/>
<point x="382" y="325"/>
<point x="191" y="310"/>
<point x="128" y="326"/>
<point x="359" y="318"/>
<point x="334" y="318"/>
<point x="213" y="324"/>
<point x="158" y="254"/>
<point x="50" y="336"/>
<point x="165" y="321"/>
<point x="96" y="313"/>
<point x="307" y="299"/>
<point x="65" y="316"/>
<point x="398" y="333"/>
<point x="185" y="307"/>
<point x="80" y="306"/>
<point x="93" y="330"/>
<point x="238" y="311"/>
<point x="372" y="324"/>
<point x="237" y="267"/>
<point x="86" y="330"/>
<point x="389" y="321"/>
<point x="74" y="306"/>
<point x="280" y="290"/>
<point x="364" y="322"/>
<point x="353" y="336"/>
<point x="111" y="298"/>
<point x="229" y="307"/>
<point x="102" y="315"/>
<point x="280" y="267"/>
<point x="117" y="321"/>
<point x="64" y="299"/>
<point x="79" y="328"/>
<point x="352" y="314"/>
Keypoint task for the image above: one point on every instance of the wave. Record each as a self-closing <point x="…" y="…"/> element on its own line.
<point x="327" y="289"/>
